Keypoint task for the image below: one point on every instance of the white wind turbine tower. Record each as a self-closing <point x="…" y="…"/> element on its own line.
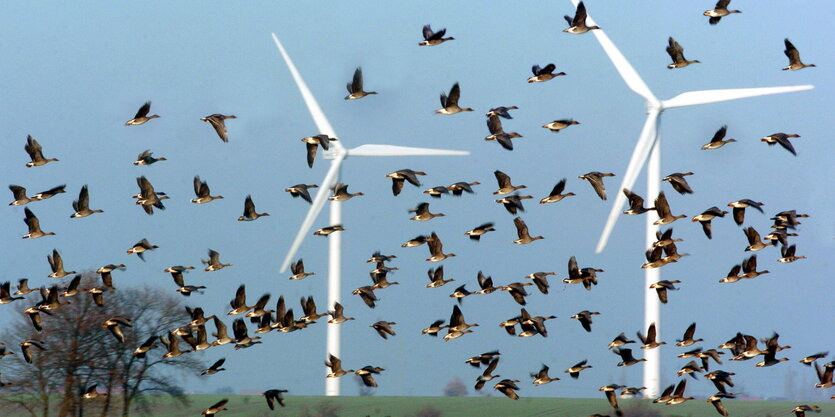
<point x="337" y="153"/>
<point x="649" y="145"/>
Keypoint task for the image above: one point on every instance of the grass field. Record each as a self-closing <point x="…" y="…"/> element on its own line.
<point x="253" y="405"/>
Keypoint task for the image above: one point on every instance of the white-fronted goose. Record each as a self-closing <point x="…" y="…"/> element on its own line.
<point x="355" y="90"/>
<point x="596" y="180"/>
<point x="687" y="339"/>
<point x="754" y="242"/>
<point x="141" y="116"/>
<point x="501" y="111"/>
<point x="313" y="143"/>
<point x="575" y="370"/>
<point x="340" y="193"/>
<point x="487" y="375"/>
<point x="202" y="192"/>
<point x="544" y="74"/>
<point x="718" y="12"/>
<point x="218" y="121"/>
<point x="665" y="216"/>
<point x="215" y="368"/>
<point x="676" y="53"/>
<point x="787" y="254"/>
<point x="800" y="410"/>
<point x="513" y="203"/>
<point x="34" y="225"/>
<point x="431" y="38"/>
<point x="782" y="139"/>
<point x="213" y="263"/>
<point x="505" y="185"/>
<point x="585" y="318"/>
<point x="301" y="190"/>
<point x="449" y="103"/>
<point x="335" y="364"/>
<point x="57" y="265"/>
<point x="679" y="183"/>
<point x="577" y="25"/>
<point x="43" y="195"/>
<point x="399" y="177"/>
<point x="560" y="124"/>
<point x="23" y="287"/>
<point x="717" y="141"/>
<point x="739" y="208"/>
<point x="542" y="377"/>
<point x="82" y="205"/>
<point x="476" y="233"/>
<point x="459" y="188"/>
<point x="338" y="314"/>
<point x="794" y="57"/>
<point x="749" y="268"/>
<point x="297" y="269"/>
<point x="416" y="241"/>
<point x="706" y="216"/>
<point x="143" y="349"/>
<point x="497" y="133"/>
<point x="249" y="211"/>
<point x="19" y="194"/>
<point x="508" y="387"/>
<point x="113" y="324"/>
<point x="436" y="249"/>
<point x="216" y="408"/>
<point x="147" y="158"/>
<point x="661" y="288"/>
<point x="35" y="151"/>
<point x="384" y="328"/>
<point x="522" y="232"/>
<point x="636" y="203"/>
<point x="423" y="214"/>
<point x="678" y="395"/>
<point x="436" y="277"/>
<point x="619" y="341"/>
<point x="140" y="247"/>
<point x="626" y="358"/>
<point x="556" y="193"/>
<point x="649" y="341"/>
<point x="540" y="279"/>
<point x="325" y="231"/>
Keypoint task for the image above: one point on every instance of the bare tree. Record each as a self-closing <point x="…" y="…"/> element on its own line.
<point x="80" y="352"/>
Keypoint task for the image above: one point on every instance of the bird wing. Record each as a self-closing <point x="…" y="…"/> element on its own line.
<point x="83" y="199"/>
<point x="720" y="134"/>
<point x="791" y="52"/>
<point x="559" y="188"/>
<point x="454" y="95"/>
<point x="661" y="205"/>
<point x="356" y="85"/>
<point x="579" y="15"/>
<point x="494" y="125"/>
<point x="249" y="207"/>
<point x="427" y="32"/>
<point x="503" y="179"/>
<point x="521" y="227"/>
<point x="311" y="154"/>
<point x="219" y="124"/>
<point x="144" y="110"/>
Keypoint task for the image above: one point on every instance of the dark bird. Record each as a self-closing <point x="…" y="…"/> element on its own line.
<point x="649" y="341"/>
<point x="249" y="211"/>
<point x="449" y="103"/>
<point x="143" y="349"/>
<point x="706" y="216"/>
<point x="140" y="248"/>
<point x="213" y="263"/>
<point x="782" y="139"/>
<point x="577" y="25"/>
<point x="501" y="111"/>
<point x="202" y="192"/>
<point x="242" y="339"/>
<point x="619" y="341"/>
<point x="556" y="193"/>
<point x="148" y="198"/>
<point x="423" y="214"/>
<point x="542" y="377"/>
<point x="716" y="399"/>
<point x="739" y="208"/>
<point x="717" y="141"/>
<point x="142" y="115"/>
<point x="26" y="348"/>
<point x="35" y="151"/>
<point x="274" y="396"/>
<point x="52" y="192"/>
<point x="718" y="12"/>
<point x="435" y="328"/>
<point x="497" y="133"/>
<point x="476" y="233"/>
<point x="57" y="265"/>
<point x="297" y="269"/>
<point x="459" y="188"/>
<point x="431" y="38"/>
<point x="505" y="185"/>
<point x="366" y="374"/>
<point x="436" y="277"/>
<point x="399" y="177"/>
<point x="522" y="232"/>
<point x="5" y="294"/>
<point x="585" y="318"/>
<point x="436" y="249"/>
<point x="679" y="183"/>
<point x="82" y="205"/>
<point x="301" y="190"/>
<point x="215" y="368"/>
<point x="596" y="180"/>
<point x="544" y="74"/>
<point x="508" y="388"/>
<point x="561" y="124"/>
<point x="313" y="143"/>
<point x="340" y="193"/>
<point x="216" y="408"/>
<point x="609" y="390"/>
<point x="147" y="158"/>
<point x="325" y="231"/>
<point x="626" y="357"/>
<point x="636" y="203"/>
<point x="113" y="324"/>
<point x="513" y="203"/>
<point x="355" y="90"/>
<point x="661" y="288"/>
<point x="384" y="328"/>
<point x="800" y="410"/>
<point x="482" y="359"/>
<point x="218" y="122"/>
<point x="665" y="216"/>
<point x="335" y="364"/>
<point x="540" y="279"/>
<point x="19" y="194"/>
<point x="34" y="225"/>
<point x="676" y="53"/>
<point x="487" y="375"/>
<point x="575" y="370"/>
<point x="367" y="295"/>
<point x="794" y="57"/>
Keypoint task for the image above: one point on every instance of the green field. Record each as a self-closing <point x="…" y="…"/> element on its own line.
<point x="251" y="406"/>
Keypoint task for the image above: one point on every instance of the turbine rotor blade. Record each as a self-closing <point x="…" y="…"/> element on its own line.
<point x="394" y="150"/>
<point x="692" y="98"/>
<point x="316" y="112"/>
<point x="649" y="134"/>
<point x="624" y="68"/>
<point x="318" y="203"/>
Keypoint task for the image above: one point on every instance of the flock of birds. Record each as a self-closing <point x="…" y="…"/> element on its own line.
<point x="194" y="333"/>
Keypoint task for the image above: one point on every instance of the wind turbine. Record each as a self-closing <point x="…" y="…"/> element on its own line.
<point x="337" y="153"/>
<point x="649" y="144"/>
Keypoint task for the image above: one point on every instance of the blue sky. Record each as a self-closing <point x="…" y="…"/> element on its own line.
<point x="74" y="75"/>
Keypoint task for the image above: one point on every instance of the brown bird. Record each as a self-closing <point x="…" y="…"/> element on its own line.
<point x="487" y="375"/>
<point x="679" y="183"/>
<point x="399" y="177"/>
<point x="113" y="324"/>
<point x="249" y="211"/>
<point x="794" y="57"/>
<point x="508" y="388"/>
<point x="706" y="216"/>
<point x="544" y="74"/>
<point x="609" y="390"/>
<point x="661" y="288"/>
<point x="313" y="143"/>
<point x="626" y="357"/>
<point x="436" y="249"/>
<point x="335" y="364"/>
<point x="384" y="328"/>
<point x="676" y="53"/>
<point x="34" y="225"/>
<point x="577" y="25"/>
<point x="649" y="341"/>
<point x="782" y="139"/>
<point x="476" y="233"/>
<point x="556" y="193"/>
<point x="449" y="104"/>
<point x="142" y="115"/>
<point x="147" y="158"/>
<point x="218" y="122"/>
<point x="665" y="216"/>
<point x="216" y="408"/>
<point x="596" y="180"/>
<point x="505" y="185"/>
<point x="35" y="151"/>
<point x="19" y="194"/>
<point x="338" y="315"/>
<point x="355" y="90"/>
<point x="718" y="12"/>
<point x="422" y="213"/>
<point x="436" y="277"/>
<point x="431" y="38"/>
<point x="140" y="248"/>
<point x="82" y="205"/>
<point x="57" y="265"/>
<point x="213" y="263"/>
<point x="542" y="377"/>
<point x="585" y="318"/>
<point x="52" y="192"/>
<point x="522" y="232"/>
<point x="575" y="370"/>
<point x="716" y="399"/>
<point x="739" y="209"/>
<point x="497" y="133"/>
<point x="301" y="190"/>
<point x="636" y="203"/>
<point x="717" y="141"/>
